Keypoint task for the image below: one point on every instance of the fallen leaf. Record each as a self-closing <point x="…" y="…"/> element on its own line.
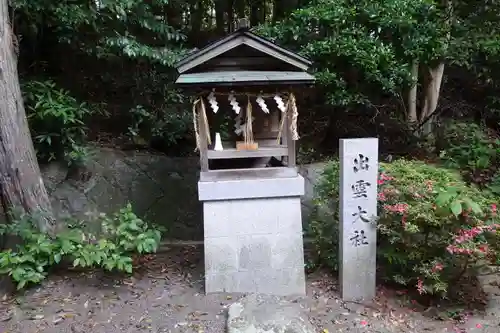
<point x="38" y="317"/>
<point x="181" y="324"/>
<point x="6" y="317"/>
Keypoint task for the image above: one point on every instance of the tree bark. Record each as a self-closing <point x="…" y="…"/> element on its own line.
<point x="174" y="15"/>
<point x="434" y="80"/>
<point x="21" y="183"/>
<point x="283" y="8"/>
<point x="257" y="12"/>
<point x="432" y="92"/>
<point x="220" y="8"/>
<point x="412" y="95"/>
<point x="196" y="12"/>
<point x="240" y="6"/>
<point x="230" y="15"/>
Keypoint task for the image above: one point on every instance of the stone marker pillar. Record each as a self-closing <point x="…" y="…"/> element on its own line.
<point x="358" y="211"/>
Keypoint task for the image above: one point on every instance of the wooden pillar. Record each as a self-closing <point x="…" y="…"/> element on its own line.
<point x="290" y="142"/>
<point x="203" y="140"/>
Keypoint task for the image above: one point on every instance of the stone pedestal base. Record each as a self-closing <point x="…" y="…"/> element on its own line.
<point x="254" y="245"/>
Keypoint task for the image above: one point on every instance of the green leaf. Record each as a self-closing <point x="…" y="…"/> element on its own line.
<point x="456" y="207"/>
<point x="21" y="284"/>
<point x="57" y="258"/>
<point x="443" y="198"/>
<point x="473" y="205"/>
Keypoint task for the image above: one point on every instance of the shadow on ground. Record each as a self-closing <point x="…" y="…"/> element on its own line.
<point x="165" y="294"/>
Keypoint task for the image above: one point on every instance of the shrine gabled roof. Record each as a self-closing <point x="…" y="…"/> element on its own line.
<point x="235" y="78"/>
<point x="238" y="38"/>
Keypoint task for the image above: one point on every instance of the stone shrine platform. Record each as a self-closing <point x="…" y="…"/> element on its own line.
<point x="253" y="235"/>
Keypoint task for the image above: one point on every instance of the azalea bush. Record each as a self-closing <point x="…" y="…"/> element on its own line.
<point x="433" y="228"/>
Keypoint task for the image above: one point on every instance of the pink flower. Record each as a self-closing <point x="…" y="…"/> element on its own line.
<point x="437" y="267"/>
<point x="420" y="286"/>
<point x="458" y="250"/>
<point x="494" y="209"/>
<point x="465" y="235"/>
<point x="383" y="178"/>
<point x="397" y="208"/>
<point x="363" y="323"/>
<point x="381" y="196"/>
<point x="479" y="326"/>
<point x="429" y="185"/>
<point x="483" y="248"/>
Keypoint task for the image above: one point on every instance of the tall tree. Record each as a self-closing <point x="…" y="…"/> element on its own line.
<point x="283" y="8"/>
<point x="21" y="184"/>
<point x="257" y="12"/>
<point x="220" y="9"/>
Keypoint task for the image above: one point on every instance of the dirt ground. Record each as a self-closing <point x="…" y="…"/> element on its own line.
<point x="166" y="295"/>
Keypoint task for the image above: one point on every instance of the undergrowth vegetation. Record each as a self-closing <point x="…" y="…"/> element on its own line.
<point x="123" y="236"/>
<point x="57" y="122"/>
<point x="471" y="148"/>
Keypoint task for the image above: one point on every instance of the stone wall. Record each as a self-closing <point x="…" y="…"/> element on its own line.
<point x="161" y="189"/>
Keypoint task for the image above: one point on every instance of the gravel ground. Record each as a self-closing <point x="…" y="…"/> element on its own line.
<point x="166" y="295"/>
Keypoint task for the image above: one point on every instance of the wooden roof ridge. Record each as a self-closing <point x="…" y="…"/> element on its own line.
<point x="238" y="38"/>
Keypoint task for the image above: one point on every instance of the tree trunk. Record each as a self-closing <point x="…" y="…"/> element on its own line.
<point x="220" y="8"/>
<point x="196" y="13"/>
<point x="240" y="6"/>
<point x="21" y="184"/>
<point x="230" y="15"/>
<point x="257" y="12"/>
<point x="432" y="92"/>
<point x="283" y="8"/>
<point x="174" y="15"/>
<point x="434" y="80"/>
<point x="412" y="96"/>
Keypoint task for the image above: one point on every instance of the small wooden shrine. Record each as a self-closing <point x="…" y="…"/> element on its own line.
<point x="245" y="121"/>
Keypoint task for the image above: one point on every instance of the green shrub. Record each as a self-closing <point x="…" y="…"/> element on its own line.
<point x="494" y="185"/>
<point x="323" y="226"/>
<point x="57" y="122"/>
<point x="468" y="145"/>
<point x="169" y="127"/>
<point x="124" y="235"/>
<point x="432" y="227"/>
